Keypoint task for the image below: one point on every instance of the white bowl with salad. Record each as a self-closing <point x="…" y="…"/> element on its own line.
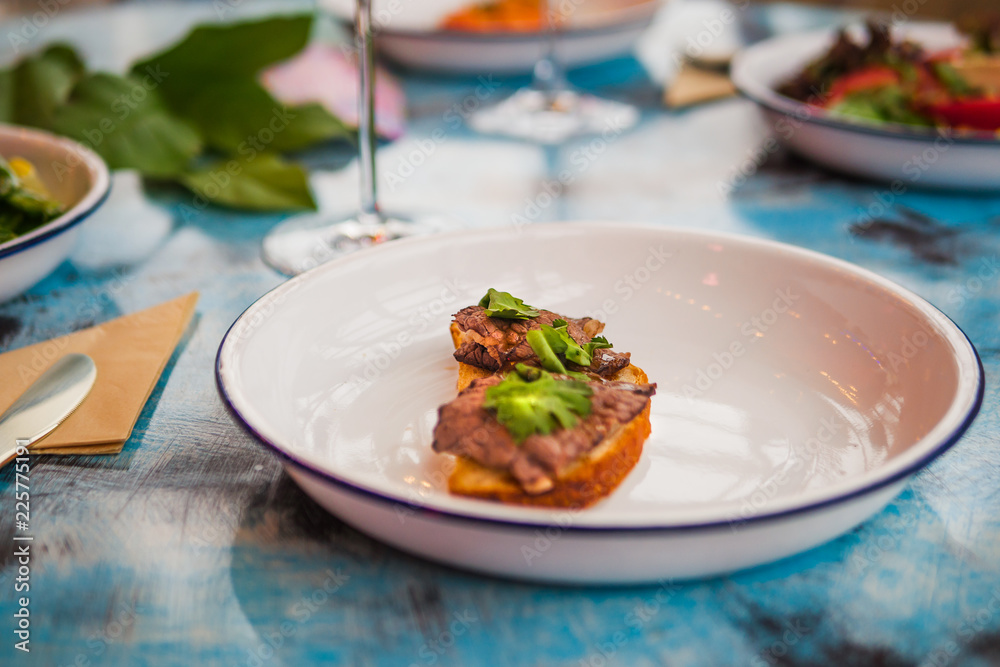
<point x="48" y="186"/>
<point x="918" y="107"/>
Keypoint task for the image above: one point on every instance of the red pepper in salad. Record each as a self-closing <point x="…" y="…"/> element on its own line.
<point x="974" y="114"/>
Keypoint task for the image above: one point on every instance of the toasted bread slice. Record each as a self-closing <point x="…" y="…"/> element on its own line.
<point x="585" y="482"/>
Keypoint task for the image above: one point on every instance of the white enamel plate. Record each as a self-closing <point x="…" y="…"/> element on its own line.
<point x="797" y="393"/>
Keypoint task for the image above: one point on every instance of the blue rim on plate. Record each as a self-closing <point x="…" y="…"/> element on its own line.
<point x="764" y="95"/>
<point x="369" y="494"/>
<point x="83" y="209"/>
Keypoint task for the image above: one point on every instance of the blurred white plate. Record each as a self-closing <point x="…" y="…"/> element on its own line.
<point x="906" y="156"/>
<point x="797" y="393"/>
<point x="409" y="33"/>
<point x="77" y="177"/>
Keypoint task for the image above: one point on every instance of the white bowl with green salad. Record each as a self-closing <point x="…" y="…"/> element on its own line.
<point x="48" y="186"/>
<point x="918" y="106"/>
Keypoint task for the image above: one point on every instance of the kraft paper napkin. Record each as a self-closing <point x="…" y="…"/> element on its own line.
<point x="130" y="353"/>
<point x="694" y="85"/>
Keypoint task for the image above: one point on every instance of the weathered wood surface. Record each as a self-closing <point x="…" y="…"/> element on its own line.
<point x="194" y="548"/>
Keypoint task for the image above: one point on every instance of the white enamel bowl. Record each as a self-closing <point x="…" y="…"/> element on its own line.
<point x="408" y="33"/>
<point x="77" y="177"/>
<point x="903" y="156"/>
<point x="797" y="393"/>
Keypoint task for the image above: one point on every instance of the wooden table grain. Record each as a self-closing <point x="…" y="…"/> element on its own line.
<point x="193" y="547"/>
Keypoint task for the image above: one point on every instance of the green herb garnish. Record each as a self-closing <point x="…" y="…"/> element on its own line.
<point x="531" y="401"/>
<point x="506" y="306"/>
<point x="549" y="342"/>
<point x="562" y="343"/>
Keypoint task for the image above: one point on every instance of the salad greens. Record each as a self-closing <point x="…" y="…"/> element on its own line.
<point x="25" y="205"/>
<point x="506" y="306"/>
<point x="194" y="114"/>
<point x="530" y="401"/>
<point x="886" y="80"/>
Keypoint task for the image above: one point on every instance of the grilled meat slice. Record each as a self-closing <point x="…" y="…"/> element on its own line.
<point x="466" y="428"/>
<point x="505" y="341"/>
<point x="604" y="362"/>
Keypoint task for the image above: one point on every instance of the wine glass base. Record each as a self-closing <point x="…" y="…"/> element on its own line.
<point x="553" y="117"/>
<point x="306" y="241"/>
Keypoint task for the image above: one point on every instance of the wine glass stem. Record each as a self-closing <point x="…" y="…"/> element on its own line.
<point x="548" y="74"/>
<point x="366" y="109"/>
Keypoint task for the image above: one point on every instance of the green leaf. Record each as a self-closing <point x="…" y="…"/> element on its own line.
<point x="7" y="96"/>
<point x="885" y="104"/>
<point x="506" y="306"/>
<point x="597" y="343"/>
<point x="41" y="83"/>
<point x="263" y="183"/>
<point x="559" y="341"/>
<point x="127" y="124"/>
<point x="226" y="50"/>
<point x="210" y="79"/>
<point x="952" y="80"/>
<point x="539" y="343"/>
<point x="239" y="116"/>
<point x="529" y="401"/>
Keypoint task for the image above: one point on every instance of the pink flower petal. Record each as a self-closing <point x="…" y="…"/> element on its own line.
<point x="324" y="74"/>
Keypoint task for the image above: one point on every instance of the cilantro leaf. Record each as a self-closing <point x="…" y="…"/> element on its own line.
<point x="597" y="343"/>
<point x="558" y="341"/>
<point x="506" y="306"/>
<point x="541" y="405"/>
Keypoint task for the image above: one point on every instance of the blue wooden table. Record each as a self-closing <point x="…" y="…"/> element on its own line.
<point x="193" y="547"/>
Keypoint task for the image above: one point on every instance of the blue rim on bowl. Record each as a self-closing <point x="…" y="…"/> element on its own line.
<point x="945" y="443"/>
<point x="100" y="187"/>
